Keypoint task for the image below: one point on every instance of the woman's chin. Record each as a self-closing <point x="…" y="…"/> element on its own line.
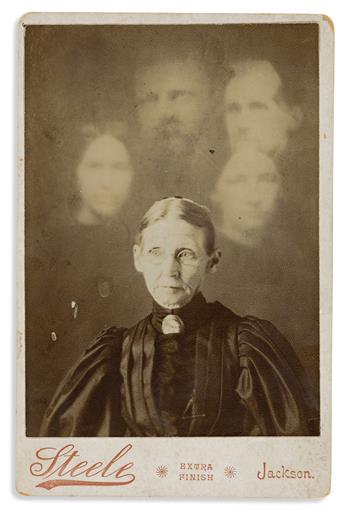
<point x="173" y="301"/>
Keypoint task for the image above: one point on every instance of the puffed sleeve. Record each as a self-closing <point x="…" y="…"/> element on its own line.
<point x="272" y="384"/>
<point x="87" y="402"/>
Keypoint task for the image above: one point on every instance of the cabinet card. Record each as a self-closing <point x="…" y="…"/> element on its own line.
<point x="174" y="255"/>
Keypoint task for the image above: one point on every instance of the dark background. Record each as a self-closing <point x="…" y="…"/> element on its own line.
<point x="74" y="74"/>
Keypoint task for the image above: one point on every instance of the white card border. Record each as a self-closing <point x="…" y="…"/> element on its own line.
<point x="307" y="446"/>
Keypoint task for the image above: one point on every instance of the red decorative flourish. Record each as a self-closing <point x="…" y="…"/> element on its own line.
<point x="162" y="471"/>
<point x="230" y="472"/>
<point x="52" y="483"/>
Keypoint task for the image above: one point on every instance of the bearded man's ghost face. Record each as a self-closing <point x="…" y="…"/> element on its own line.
<point x="171" y="102"/>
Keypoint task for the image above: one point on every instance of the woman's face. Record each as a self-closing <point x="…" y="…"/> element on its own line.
<point x="173" y="260"/>
<point x="247" y="192"/>
<point x="104" y="177"/>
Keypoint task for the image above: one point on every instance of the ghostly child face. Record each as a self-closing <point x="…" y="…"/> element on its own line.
<point x="173" y="260"/>
<point x="104" y="176"/>
<point x="253" y="114"/>
<point x="247" y="192"/>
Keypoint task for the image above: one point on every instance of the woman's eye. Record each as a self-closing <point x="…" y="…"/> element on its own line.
<point x="92" y="165"/>
<point x="268" y="178"/>
<point x="151" y="97"/>
<point x="235" y="180"/>
<point x="233" y="108"/>
<point x="186" y="254"/>
<point x="257" y="105"/>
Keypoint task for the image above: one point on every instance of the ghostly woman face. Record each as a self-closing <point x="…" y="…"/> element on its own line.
<point x="253" y="113"/>
<point x="247" y="192"/>
<point x="104" y="176"/>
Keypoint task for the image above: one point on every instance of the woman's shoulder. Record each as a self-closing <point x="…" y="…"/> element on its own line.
<point x="271" y="377"/>
<point x="263" y="349"/>
<point x="256" y="335"/>
<point x="249" y="327"/>
<point x="106" y="344"/>
<point x="251" y="337"/>
<point x="84" y="387"/>
<point x="98" y="358"/>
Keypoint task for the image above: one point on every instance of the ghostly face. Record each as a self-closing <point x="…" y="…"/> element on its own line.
<point x="104" y="176"/>
<point x="171" y="100"/>
<point x="173" y="260"/>
<point x="253" y="114"/>
<point x="247" y="192"/>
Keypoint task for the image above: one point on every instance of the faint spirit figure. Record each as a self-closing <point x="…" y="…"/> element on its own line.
<point x="246" y="194"/>
<point x="173" y="132"/>
<point x="104" y="175"/>
<point x="172" y="100"/>
<point x="255" y="110"/>
<point x="85" y="252"/>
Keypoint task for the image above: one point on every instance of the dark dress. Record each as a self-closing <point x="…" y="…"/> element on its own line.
<point x="76" y="276"/>
<point x="224" y="376"/>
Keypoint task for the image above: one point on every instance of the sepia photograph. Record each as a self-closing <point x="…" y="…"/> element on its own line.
<point x="171" y="248"/>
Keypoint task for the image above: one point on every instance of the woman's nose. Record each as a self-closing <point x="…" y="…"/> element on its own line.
<point x="105" y="177"/>
<point x="244" y="122"/>
<point x="252" y="196"/>
<point x="171" y="266"/>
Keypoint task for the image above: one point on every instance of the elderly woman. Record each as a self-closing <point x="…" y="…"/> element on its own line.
<point x="189" y="368"/>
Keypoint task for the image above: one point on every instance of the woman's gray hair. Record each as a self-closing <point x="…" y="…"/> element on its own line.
<point x="183" y="209"/>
